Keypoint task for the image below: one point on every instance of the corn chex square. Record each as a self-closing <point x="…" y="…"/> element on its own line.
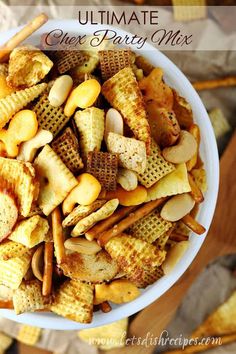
<point x="29" y="335"/>
<point x="74" y="300"/>
<point x="156" y="167"/>
<point x="13" y="270"/>
<point x="150" y="227"/>
<point x="28" y="297"/>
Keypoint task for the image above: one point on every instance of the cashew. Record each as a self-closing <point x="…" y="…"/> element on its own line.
<point x="118" y="291"/>
<point x="177" y="207"/>
<point x="174" y="255"/>
<point x="183" y="151"/>
<point x="82" y="245"/>
<point x="23" y="127"/>
<point x="60" y="90"/>
<point x="85" y="193"/>
<point x="114" y="123"/>
<point x="37" y="263"/>
<point x="127" y="179"/>
<point x="30" y="147"/>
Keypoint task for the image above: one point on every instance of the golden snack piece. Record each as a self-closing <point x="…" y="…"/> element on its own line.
<point x="49" y="117"/>
<point x="118" y="291"/>
<point x="66" y="146"/>
<point x="156" y="167"/>
<point x="80" y="212"/>
<point x="132" y="152"/>
<point x="22" y="127"/>
<point x="144" y="64"/>
<point x="183" y="111"/>
<point x="64" y="303"/>
<point x="5" y="341"/>
<point x="56" y="180"/>
<point x="83" y="96"/>
<point x="174" y="255"/>
<point x="117" y="91"/>
<point x="69" y="59"/>
<point x="90" y="124"/>
<point x="150" y="227"/>
<point x="14" y="102"/>
<point x="114" y="331"/>
<point x="94" y="268"/>
<point x="134" y="256"/>
<point x="175" y="182"/>
<point x="30" y="232"/>
<point x="103" y="166"/>
<point x="21" y="176"/>
<point x="219" y="122"/>
<point x="28" y="297"/>
<point x="199" y="176"/>
<point x="13" y="270"/>
<point x="102" y="213"/>
<point x="113" y="60"/>
<point x="8" y="208"/>
<point x="27" y="66"/>
<point x="5" y="90"/>
<point x="85" y="192"/>
<point x="154" y="88"/>
<point x="11" y="249"/>
<point x="128" y="198"/>
<point x="3" y="69"/>
<point x="29" y="335"/>
<point x="164" y="125"/>
<point x="219" y="322"/>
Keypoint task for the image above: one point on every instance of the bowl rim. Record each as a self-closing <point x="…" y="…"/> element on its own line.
<point x="208" y="148"/>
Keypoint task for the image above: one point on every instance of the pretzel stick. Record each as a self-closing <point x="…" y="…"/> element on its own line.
<point x="196" y="192"/>
<point x="189" y="221"/>
<point x="57" y="234"/>
<point x="6" y="304"/>
<point x="215" y="83"/>
<point x="19" y="37"/>
<point x="109" y="222"/>
<point x="129" y="220"/>
<point x="177" y="237"/>
<point x="199" y="348"/>
<point x="48" y="267"/>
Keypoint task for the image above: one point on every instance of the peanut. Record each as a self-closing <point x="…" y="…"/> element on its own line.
<point x="83" y="96"/>
<point x="60" y="90"/>
<point x="118" y="291"/>
<point x="22" y="127"/>
<point x="177" y="207"/>
<point x="82" y="245"/>
<point x="85" y="193"/>
<point x="114" y="123"/>
<point x="37" y="263"/>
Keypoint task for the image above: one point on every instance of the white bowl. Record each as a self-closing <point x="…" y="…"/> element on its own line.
<point x="175" y="78"/>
